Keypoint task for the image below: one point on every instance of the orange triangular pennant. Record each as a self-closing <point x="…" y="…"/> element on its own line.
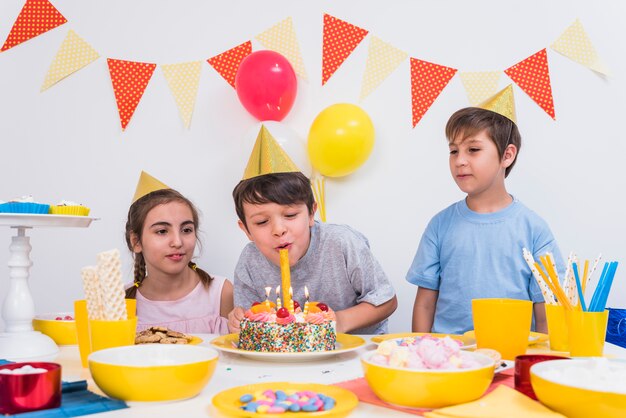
<point x="533" y="76"/>
<point x="340" y="39"/>
<point x="227" y="63"/>
<point x="427" y="82"/>
<point x="129" y="80"/>
<point x="36" y="17"/>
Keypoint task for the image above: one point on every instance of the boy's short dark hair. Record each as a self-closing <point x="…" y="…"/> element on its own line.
<point x="281" y="188"/>
<point x="472" y="120"/>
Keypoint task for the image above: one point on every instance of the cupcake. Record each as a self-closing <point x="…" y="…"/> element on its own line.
<point x="25" y="204"/>
<point x="66" y="207"/>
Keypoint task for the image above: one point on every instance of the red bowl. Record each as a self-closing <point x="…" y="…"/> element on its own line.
<point x="30" y="392"/>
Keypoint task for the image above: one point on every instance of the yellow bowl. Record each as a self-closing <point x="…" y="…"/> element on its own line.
<point x="63" y="332"/>
<point x="572" y="399"/>
<point x="422" y="388"/>
<point x="153" y="372"/>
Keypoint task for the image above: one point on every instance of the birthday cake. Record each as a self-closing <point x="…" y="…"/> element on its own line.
<point x="266" y="328"/>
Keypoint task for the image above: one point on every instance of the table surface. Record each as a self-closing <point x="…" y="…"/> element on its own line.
<point x="235" y="370"/>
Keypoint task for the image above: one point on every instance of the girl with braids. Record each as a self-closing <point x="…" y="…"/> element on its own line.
<point x="171" y="291"/>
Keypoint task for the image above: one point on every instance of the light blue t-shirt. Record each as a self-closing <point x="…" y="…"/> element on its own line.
<point x="467" y="255"/>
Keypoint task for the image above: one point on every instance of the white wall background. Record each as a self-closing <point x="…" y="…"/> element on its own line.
<point x="66" y="143"/>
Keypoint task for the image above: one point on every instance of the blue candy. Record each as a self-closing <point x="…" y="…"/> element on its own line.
<point x="251" y="407"/>
<point x="246" y="398"/>
<point x="309" y="408"/>
<point x="294" y="407"/>
<point x="281" y="395"/>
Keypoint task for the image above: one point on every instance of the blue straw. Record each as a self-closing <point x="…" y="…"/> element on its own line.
<point x="581" y="297"/>
<point x="607" y="287"/>
<point x="596" y="294"/>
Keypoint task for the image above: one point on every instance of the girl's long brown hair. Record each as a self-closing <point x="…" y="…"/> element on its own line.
<point x="134" y="226"/>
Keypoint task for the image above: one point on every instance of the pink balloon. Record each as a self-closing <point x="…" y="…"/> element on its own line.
<point x="266" y="85"/>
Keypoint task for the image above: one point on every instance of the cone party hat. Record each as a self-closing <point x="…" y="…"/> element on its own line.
<point x="502" y="103"/>
<point x="268" y="157"/>
<point x="147" y="184"/>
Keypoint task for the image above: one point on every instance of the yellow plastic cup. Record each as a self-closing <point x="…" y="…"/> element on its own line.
<point x="108" y="334"/>
<point x="587" y="331"/>
<point x="84" y="329"/>
<point x="503" y="325"/>
<point x="557" y="327"/>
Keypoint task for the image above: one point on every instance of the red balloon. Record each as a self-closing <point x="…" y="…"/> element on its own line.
<point x="266" y="85"/>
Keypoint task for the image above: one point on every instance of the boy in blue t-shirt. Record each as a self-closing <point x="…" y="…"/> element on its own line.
<point x="473" y="248"/>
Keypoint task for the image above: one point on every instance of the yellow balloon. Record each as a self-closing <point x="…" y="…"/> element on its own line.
<point x="340" y="140"/>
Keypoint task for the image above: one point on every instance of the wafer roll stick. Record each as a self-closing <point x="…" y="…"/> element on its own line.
<point x="91" y="286"/>
<point x="113" y="295"/>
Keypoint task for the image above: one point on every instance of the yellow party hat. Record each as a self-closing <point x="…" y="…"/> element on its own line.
<point x="502" y="103"/>
<point x="147" y="184"/>
<point x="268" y="157"/>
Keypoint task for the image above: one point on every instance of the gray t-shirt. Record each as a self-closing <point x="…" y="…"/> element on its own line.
<point x="338" y="269"/>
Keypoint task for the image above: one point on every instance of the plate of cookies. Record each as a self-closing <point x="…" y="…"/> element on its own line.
<point x="164" y="335"/>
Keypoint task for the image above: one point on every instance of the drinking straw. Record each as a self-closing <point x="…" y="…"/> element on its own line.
<point x="548" y="263"/>
<point x="606" y="287"/>
<point x="548" y="296"/>
<point x="567" y="282"/>
<point x="593" y="268"/>
<point x="555" y="287"/>
<point x="581" y="296"/>
<point x="585" y="275"/>
<point x="596" y="293"/>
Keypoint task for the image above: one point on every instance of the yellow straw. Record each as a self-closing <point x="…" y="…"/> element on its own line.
<point x="548" y="282"/>
<point x="585" y="275"/>
<point x="547" y="262"/>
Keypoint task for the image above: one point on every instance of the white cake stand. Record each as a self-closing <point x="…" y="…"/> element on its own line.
<point x="19" y="342"/>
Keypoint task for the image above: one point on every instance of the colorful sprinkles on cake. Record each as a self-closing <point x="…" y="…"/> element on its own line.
<point x="295" y="337"/>
<point x="279" y="401"/>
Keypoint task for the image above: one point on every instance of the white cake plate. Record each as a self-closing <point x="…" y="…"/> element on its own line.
<point x="19" y="342"/>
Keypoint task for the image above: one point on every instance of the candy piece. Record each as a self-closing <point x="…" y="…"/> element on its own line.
<point x="275" y="410"/>
<point x="294" y="407"/>
<point x="251" y="407"/>
<point x="309" y="408"/>
<point x="281" y="395"/>
<point x="262" y="409"/>
<point x="246" y="398"/>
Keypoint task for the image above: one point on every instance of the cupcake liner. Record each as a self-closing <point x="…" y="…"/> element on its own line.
<point x="24" y="207"/>
<point x="76" y="210"/>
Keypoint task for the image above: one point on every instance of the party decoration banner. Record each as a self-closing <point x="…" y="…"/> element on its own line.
<point x="35" y="18"/>
<point x="73" y="54"/>
<point x="129" y="80"/>
<point x="576" y="45"/>
<point x="184" y="80"/>
<point x="480" y="85"/>
<point x="427" y="81"/>
<point x="533" y="76"/>
<point x="227" y="63"/>
<point x="282" y="39"/>
<point x="339" y="40"/>
<point x="382" y="60"/>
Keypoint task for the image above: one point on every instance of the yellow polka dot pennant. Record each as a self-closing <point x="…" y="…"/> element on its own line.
<point x="339" y="40"/>
<point x="427" y="81"/>
<point x="227" y="63"/>
<point x="282" y="38"/>
<point x="480" y="85"/>
<point x="533" y="76"/>
<point x="576" y="45"/>
<point x="129" y="80"/>
<point x="35" y="18"/>
<point x="73" y="54"/>
<point x="382" y="60"/>
<point x="184" y="80"/>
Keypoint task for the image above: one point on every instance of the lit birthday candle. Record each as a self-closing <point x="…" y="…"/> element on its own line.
<point x="306" y="304"/>
<point x="267" y="297"/>
<point x="291" y="309"/>
<point x="278" y="305"/>
<point x="285" y="275"/>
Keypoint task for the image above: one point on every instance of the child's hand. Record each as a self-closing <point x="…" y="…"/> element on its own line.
<point x="234" y="317"/>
